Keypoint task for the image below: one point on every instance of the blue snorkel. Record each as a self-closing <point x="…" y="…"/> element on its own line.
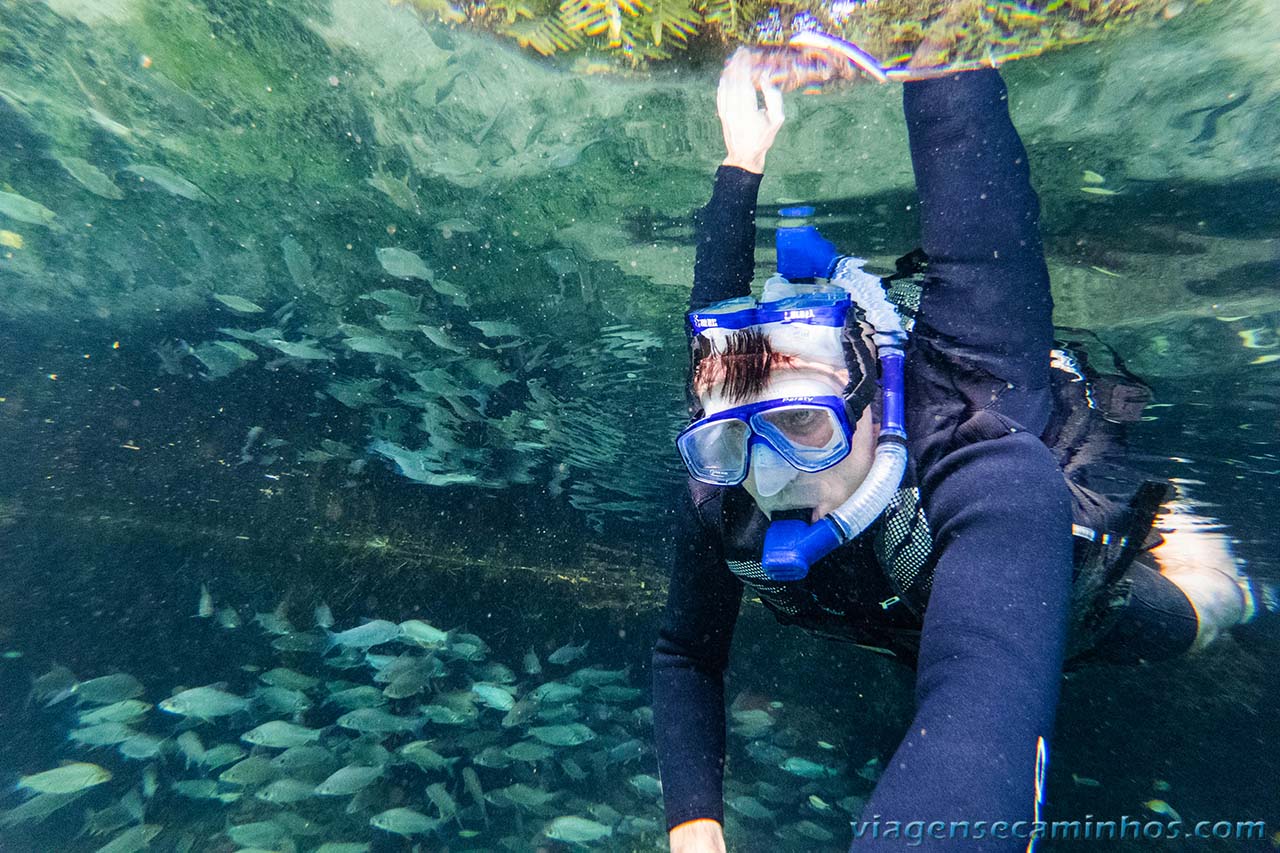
<point x="792" y="546"/>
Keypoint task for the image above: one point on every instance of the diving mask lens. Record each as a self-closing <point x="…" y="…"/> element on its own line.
<point x="810" y="437"/>
<point x="716" y="452"/>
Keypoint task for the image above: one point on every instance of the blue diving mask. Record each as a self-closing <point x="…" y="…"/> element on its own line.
<point x="810" y="434"/>
<point x="805" y="321"/>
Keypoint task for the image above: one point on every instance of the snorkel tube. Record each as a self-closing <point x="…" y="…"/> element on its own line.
<point x="792" y="546"/>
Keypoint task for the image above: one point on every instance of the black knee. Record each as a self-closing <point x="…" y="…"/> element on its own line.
<point x="1147" y="617"/>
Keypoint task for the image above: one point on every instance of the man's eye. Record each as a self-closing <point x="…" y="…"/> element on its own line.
<point x="799" y="420"/>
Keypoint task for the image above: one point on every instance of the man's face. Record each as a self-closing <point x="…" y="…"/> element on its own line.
<point x="773" y="483"/>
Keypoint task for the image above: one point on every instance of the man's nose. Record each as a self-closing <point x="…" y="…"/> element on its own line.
<point x="772" y="473"/>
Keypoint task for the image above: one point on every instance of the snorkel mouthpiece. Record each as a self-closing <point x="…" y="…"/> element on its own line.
<point x="792" y="545"/>
<point x="803" y="253"/>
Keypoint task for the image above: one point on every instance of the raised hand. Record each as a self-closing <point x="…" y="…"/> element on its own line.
<point x="749" y="130"/>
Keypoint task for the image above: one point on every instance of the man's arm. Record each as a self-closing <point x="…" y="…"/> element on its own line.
<point x="726" y="227"/>
<point x="992" y="644"/>
<point x="726" y="230"/>
<point x="689" y="660"/>
<point x="986" y="300"/>
<point x="993" y="634"/>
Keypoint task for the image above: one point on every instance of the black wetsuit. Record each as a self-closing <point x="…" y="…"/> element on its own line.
<point x="979" y="399"/>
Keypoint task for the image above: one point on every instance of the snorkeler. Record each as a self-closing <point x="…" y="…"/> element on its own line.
<point x="983" y="532"/>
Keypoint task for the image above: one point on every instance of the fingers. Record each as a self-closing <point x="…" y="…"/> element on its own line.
<point x="736" y="94"/>
<point x="773" y="105"/>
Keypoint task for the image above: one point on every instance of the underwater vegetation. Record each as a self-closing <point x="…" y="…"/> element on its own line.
<point x="920" y="34"/>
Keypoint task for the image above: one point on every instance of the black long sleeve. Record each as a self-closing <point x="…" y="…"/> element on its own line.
<point x="689" y="660"/>
<point x="987" y="300"/>
<point x="1000" y="512"/>
<point x="726" y="230"/>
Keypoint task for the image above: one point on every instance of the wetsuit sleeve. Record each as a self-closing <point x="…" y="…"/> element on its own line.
<point x="726" y="231"/>
<point x="689" y="661"/>
<point x="992" y="642"/>
<point x="998" y="505"/>
<point x="986" y="300"/>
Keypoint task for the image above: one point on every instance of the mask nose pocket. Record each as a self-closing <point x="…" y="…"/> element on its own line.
<point x="772" y="473"/>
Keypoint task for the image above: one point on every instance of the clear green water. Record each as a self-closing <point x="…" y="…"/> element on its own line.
<point x="552" y="211"/>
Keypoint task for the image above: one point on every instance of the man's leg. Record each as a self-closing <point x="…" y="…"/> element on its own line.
<point x="1196" y="556"/>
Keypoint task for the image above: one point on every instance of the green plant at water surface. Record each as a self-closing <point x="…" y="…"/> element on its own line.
<point x="933" y="33"/>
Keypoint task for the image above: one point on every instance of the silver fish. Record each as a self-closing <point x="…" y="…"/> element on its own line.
<point x="423" y="634"/>
<point x="204" y="703"/>
<point x="646" y="785"/>
<point x="254" y="770"/>
<point x="204" y="607"/>
<point x="169" y="181"/>
<point x="24" y="209"/>
<point x="445" y="804"/>
<point x="282" y="700"/>
<point x="132" y="840"/>
<point x="750" y="807"/>
<point x="395" y="300"/>
<point x="108" y="689"/>
<point x="221" y="755"/>
<point x="528" y="751"/>
<point x="141" y="746"/>
<point x="403" y="821"/>
<point x="304" y="350"/>
<point x="67" y="779"/>
<point x="54" y="686"/>
<point x="304" y="758"/>
<point x="572" y="734"/>
<point x="471" y="781"/>
<point x="374" y="345"/>
<point x="402" y="263"/>
<point x="277" y="734"/>
<point x="298" y="264"/>
<point x="349" y="780"/>
<point x="262" y="834"/>
<point x="421" y="754"/>
<point x="555" y="692"/>
<point x="368" y="635"/>
<point x="286" y="791"/>
<point x="567" y="653"/>
<point x="438" y="337"/>
<point x="531" y="664"/>
<point x="497" y="328"/>
<point x="38" y="808"/>
<point x="289" y="679"/>
<point x="238" y="303"/>
<point x="239" y="351"/>
<point x="362" y="696"/>
<point x="576" y="830"/>
<point x="103" y="734"/>
<point x="521" y="795"/>
<point x="375" y="720"/>
<point x="493" y="696"/>
<point x="91" y="178"/>
<point x="125" y="711"/>
<point x="806" y="769"/>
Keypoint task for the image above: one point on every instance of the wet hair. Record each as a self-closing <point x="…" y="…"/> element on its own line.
<point x="746" y="360"/>
<point x="742" y="366"/>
